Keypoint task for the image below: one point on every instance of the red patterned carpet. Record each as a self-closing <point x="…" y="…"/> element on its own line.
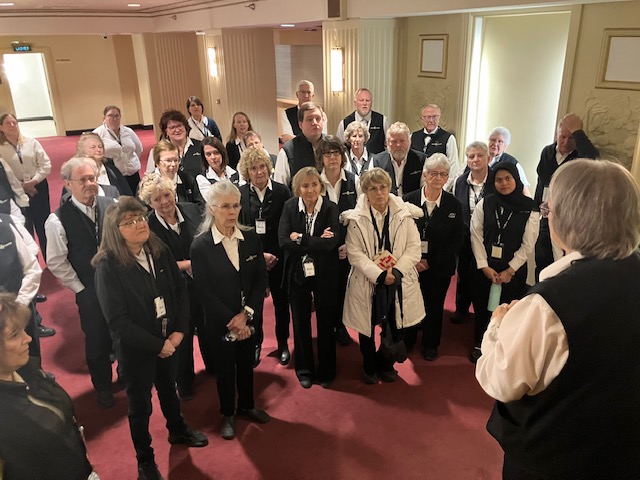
<point x="430" y="424"/>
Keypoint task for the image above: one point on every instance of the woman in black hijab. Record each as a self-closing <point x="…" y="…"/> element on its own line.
<point x="504" y="230"/>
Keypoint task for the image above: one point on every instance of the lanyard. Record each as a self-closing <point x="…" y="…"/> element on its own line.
<point x="115" y="137"/>
<point x="150" y="263"/>
<point x="427" y="217"/>
<point x="477" y="198"/>
<point x="208" y="134"/>
<point x="18" y="150"/>
<point x="385" y="229"/>
<point x="309" y="222"/>
<point x="502" y="227"/>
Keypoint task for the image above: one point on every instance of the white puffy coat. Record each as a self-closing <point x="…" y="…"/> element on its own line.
<point x="361" y="248"/>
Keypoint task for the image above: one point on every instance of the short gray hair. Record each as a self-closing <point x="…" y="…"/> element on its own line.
<point x="354" y="127"/>
<point x="398" y="127"/>
<point x="437" y="160"/>
<point x="478" y="146"/>
<point x="610" y="195"/>
<point x="66" y="171"/>
<point x="504" y="132"/>
<point x="304" y="82"/>
<point x="223" y="187"/>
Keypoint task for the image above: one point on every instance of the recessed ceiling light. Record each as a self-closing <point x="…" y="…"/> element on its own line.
<point x="287" y="25"/>
<point x="7" y="4"/>
<point x="133" y="4"/>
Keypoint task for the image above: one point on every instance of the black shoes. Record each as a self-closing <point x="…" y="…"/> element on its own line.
<point x="285" y="355"/>
<point x="255" y="415"/>
<point x="105" y="398"/>
<point x="185" y="393"/>
<point x="430" y="354"/>
<point x="256" y="358"/>
<point x="149" y="471"/>
<point x="228" y="429"/>
<point x="369" y="378"/>
<point x="475" y="354"/>
<point x="388" y="376"/>
<point x="40" y="298"/>
<point x="342" y="336"/>
<point x="305" y="382"/>
<point x="44" y="332"/>
<point x="189" y="437"/>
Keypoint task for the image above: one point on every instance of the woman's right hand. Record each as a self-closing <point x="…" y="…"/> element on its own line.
<point x="491" y="274"/>
<point x="167" y="349"/>
<point x="293" y="236"/>
<point x="390" y="279"/>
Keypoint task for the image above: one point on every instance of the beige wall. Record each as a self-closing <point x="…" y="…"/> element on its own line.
<point x="83" y="83"/>
<point x="446" y="92"/>
<point x="611" y="116"/>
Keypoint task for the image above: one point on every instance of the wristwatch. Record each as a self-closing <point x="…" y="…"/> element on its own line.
<point x="299" y="239"/>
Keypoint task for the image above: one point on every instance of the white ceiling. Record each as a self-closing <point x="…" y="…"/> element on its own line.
<point x="147" y="7"/>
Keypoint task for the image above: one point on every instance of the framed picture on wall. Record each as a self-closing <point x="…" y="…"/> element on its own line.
<point x="619" y="65"/>
<point x="433" y="55"/>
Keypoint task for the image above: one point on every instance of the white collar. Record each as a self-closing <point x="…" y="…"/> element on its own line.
<point x="365" y="155"/>
<point x="228" y="172"/>
<point x="470" y="180"/>
<point x="559" y="265"/>
<point x="303" y="208"/>
<point x="81" y="206"/>
<point x="218" y="237"/>
<point x="256" y="189"/>
<point x="423" y="198"/>
<point x="165" y="224"/>
<point x="432" y="133"/>
<point x="367" y="117"/>
<point x="343" y="177"/>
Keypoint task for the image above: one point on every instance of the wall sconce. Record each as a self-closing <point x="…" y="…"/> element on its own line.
<point x="337" y="85"/>
<point x="213" y="64"/>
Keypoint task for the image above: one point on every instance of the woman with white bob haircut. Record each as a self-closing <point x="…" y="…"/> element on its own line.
<point x="230" y="275"/>
<point x="563" y="362"/>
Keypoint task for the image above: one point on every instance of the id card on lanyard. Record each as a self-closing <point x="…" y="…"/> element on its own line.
<point x="308" y="266"/>
<point x="497" y="247"/>
<point x="158" y="301"/>
<point x="261" y="224"/>
<point x="424" y="242"/>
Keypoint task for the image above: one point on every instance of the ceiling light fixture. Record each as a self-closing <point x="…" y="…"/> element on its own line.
<point x="287" y="25"/>
<point x="7" y="4"/>
<point x="133" y="5"/>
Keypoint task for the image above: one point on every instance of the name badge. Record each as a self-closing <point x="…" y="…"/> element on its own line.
<point x="308" y="267"/>
<point x="161" y="309"/>
<point x="496" y="251"/>
<point x="261" y="226"/>
<point x="425" y="246"/>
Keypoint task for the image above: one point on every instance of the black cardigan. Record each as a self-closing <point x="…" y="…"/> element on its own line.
<point x="126" y="295"/>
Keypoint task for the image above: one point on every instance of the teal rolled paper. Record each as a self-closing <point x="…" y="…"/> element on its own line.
<point x="494" y="296"/>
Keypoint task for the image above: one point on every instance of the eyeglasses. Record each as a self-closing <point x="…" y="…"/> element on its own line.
<point x="170" y="160"/>
<point x="430" y="117"/>
<point x="332" y="153"/>
<point x="113" y="115"/>
<point x="175" y="128"/>
<point x="545" y="210"/>
<point x="134" y="221"/>
<point x="434" y="174"/>
<point x="258" y="168"/>
<point x="229" y="206"/>
<point x="84" y="180"/>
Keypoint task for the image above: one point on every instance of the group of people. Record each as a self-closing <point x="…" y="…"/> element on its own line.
<point x="366" y="229"/>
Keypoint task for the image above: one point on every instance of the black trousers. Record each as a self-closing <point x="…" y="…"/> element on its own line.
<point x="544" y="250"/>
<point x="464" y="284"/>
<point x="36" y="215"/>
<point x="374" y="360"/>
<point x="133" y="181"/>
<point x="280" y="299"/>
<point x="514" y="290"/>
<point x="434" y="292"/>
<point x="141" y="372"/>
<point x="300" y="297"/>
<point x="344" y="267"/>
<point x="97" y="339"/>
<point x="513" y="471"/>
<point x="186" y="373"/>
<point x="234" y="368"/>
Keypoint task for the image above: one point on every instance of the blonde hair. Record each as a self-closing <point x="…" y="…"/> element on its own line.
<point x="596" y="208"/>
<point x="162" y="146"/>
<point x="398" y="128"/>
<point x="375" y="175"/>
<point x="83" y="138"/>
<point x="252" y="157"/>
<point x="154" y="182"/>
<point x="354" y="127"/>
<point x="3" y="138"/>
<point x="301" y="175"/>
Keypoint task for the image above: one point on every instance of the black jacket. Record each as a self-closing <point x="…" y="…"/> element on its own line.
<point x="191" y="162"/>
<point x="35" y="443"/>
<point x="444" y="232"/>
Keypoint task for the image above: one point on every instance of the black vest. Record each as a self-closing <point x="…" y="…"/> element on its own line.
<point x="11" y="271"/>
<point x="83" y="237"/>
<point x="462" y="194"/>
<point x="437" y="144"/>
<point x="6" y="192"/>
<point x="376" y="131"/>
<point x="513" y="227"/>
<point x="300" y="154"/>
<point x="253" y="209"/>
<point x="292" y="115"/>
<point x="347" y="199"/>
<point x="585" y="424"/>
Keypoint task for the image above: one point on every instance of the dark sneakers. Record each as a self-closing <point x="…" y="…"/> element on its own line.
<point x="189" y="437"/>
<point x="148" y="471"/>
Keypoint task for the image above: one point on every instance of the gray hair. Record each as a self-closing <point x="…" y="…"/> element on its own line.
<point x="437" y="160"/>
<point x="218" y="189"/>
<point x="360" y="90"/>
<point x="478" y="146"/>
<point x="152" y="183"/>
<point x="610" y="195"/>
<point x="305" y="82"/>
<point x="397" y="128"/>
<point x="66" y="171"/>
<point x="504" y="132"/>
<point x="354" y="127"/>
